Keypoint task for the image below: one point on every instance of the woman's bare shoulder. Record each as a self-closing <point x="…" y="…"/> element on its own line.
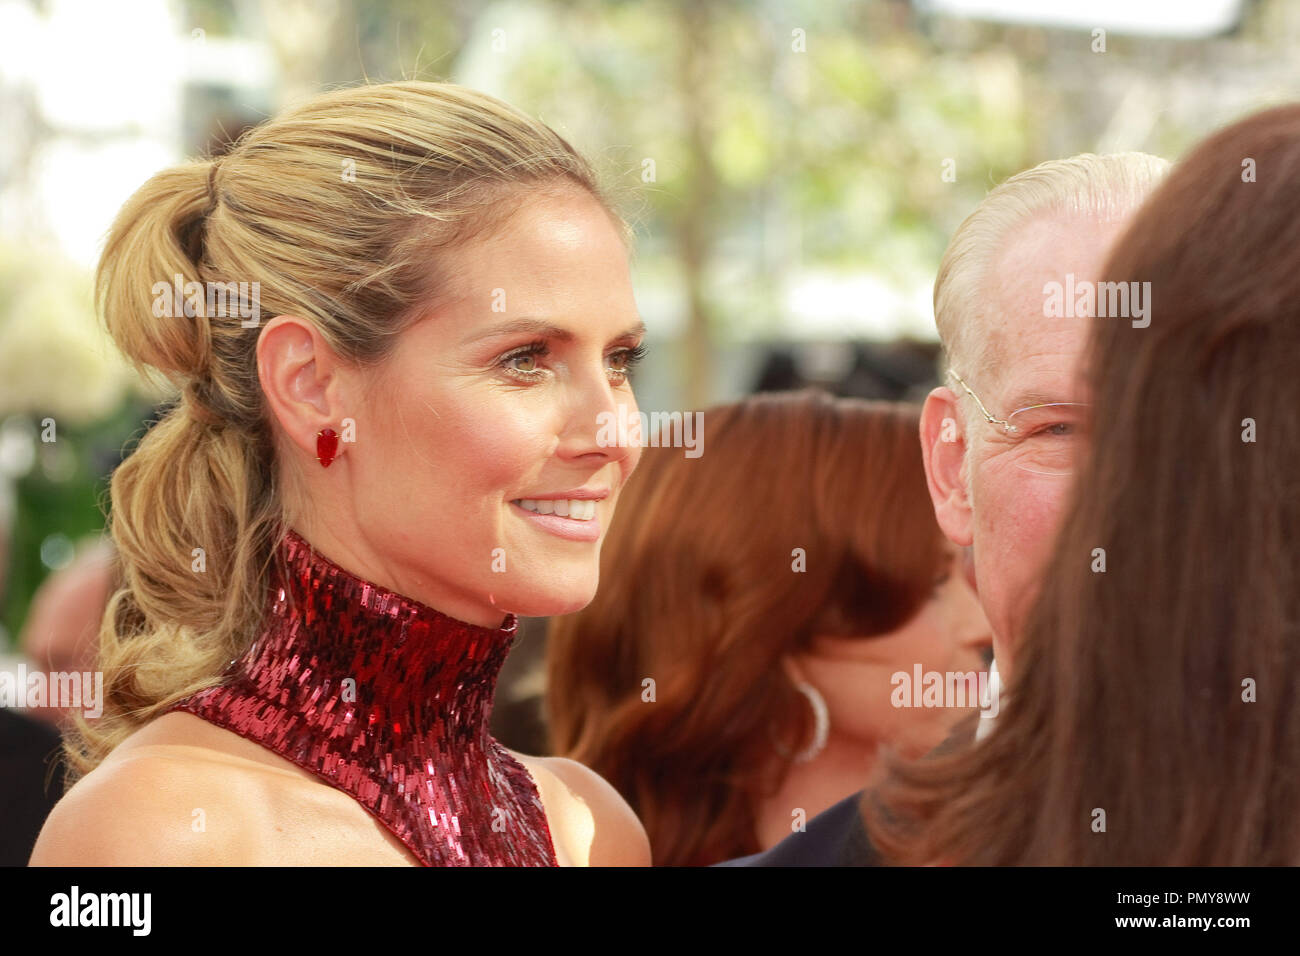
<point x="178" y="792"/>
<point x="586" y="814"/>
<point x="153" y="807"/>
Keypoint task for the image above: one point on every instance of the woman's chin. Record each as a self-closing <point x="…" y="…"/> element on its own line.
<point x="549" y="603"/>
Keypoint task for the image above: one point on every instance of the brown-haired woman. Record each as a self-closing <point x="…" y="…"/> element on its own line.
<point x="1151" y="716"/>
<point x="796" y="564"/>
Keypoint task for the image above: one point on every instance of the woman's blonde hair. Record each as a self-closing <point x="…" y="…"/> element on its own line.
<point x="340" y="211"/>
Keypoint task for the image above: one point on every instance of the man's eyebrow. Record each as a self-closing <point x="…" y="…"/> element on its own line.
<point x="542" y="329"/>
<point x="1029" y="399"/>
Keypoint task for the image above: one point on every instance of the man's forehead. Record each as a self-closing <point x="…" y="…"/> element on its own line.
<point x="1034" y="355"/>
<point x="1040" y="365"/>
<point x="1048" y="248"/>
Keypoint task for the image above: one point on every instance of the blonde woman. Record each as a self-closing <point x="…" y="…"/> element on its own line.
<point x="386" y="449"/>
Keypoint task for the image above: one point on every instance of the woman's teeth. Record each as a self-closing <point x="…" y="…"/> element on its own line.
<point x="575" y="508"/>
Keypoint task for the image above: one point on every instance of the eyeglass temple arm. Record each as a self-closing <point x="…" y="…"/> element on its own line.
<point x="984" y="411"/>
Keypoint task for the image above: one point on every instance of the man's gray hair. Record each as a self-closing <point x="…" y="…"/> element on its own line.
<point x="1106" y="187"/>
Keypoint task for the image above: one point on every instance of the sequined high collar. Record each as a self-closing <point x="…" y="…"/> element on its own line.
<point x="388" y="700"/>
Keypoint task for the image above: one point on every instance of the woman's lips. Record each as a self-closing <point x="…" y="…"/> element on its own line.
<point x="570" y="528"/>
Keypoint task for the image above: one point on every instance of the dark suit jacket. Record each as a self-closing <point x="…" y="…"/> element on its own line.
<point x="835" y="837"/>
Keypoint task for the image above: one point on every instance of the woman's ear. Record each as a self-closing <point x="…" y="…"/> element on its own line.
<point x="299" y="374"/>
<point x="794" y="669"/>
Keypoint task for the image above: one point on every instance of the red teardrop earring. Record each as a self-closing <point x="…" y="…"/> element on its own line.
<point x="327" y="446"/>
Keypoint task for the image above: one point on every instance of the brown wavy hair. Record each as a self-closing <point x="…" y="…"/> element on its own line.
<point x="342" y="210"/>
<point x="1161" y="692"/>
<point x="699" y="593"/>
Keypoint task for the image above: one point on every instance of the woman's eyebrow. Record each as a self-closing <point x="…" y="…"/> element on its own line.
<point x="542" y="329"/>
<point x="634" y="332"/>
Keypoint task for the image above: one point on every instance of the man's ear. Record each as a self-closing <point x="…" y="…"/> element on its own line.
<point x="943" y="447"/>
<point x="298" y="372"/>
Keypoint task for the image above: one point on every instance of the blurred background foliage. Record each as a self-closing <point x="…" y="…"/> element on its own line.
<point x="793" y="169"/>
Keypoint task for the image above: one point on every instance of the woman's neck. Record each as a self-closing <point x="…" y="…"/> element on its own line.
<point x="354" y="552"/>
<point x="844" y="766"/>
<point x="393" y="658"/>
<point x="388" y="700"/>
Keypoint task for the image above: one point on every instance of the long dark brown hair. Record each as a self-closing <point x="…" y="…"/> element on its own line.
<point x="700" y="593"/>
<point x="1157" y="699"/>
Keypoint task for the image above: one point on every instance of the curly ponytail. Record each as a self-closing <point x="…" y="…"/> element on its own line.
<point x="196" y="509"/>
<point x="198" y="478"/>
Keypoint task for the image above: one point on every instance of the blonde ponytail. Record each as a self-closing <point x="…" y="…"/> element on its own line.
<point x="334" y="212"/>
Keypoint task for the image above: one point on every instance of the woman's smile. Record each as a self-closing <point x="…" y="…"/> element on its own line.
<point x="573" y="518"/>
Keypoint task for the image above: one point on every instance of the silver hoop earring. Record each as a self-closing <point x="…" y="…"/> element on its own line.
<point x="821" y="724"/>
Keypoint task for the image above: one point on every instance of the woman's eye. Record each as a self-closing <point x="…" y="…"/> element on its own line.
<point x="526" y="362"/>
<point x="623" y="361"/>
<point x="620" y="365"/>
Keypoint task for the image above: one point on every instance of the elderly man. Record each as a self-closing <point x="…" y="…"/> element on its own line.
<point x="1013" y="301"/>
<point x="999" y="435"/>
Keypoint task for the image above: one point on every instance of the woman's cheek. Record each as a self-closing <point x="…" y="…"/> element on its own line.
<point x="480" y="435"/>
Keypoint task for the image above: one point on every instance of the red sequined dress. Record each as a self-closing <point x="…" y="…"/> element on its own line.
<point x="387" y="700"/>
